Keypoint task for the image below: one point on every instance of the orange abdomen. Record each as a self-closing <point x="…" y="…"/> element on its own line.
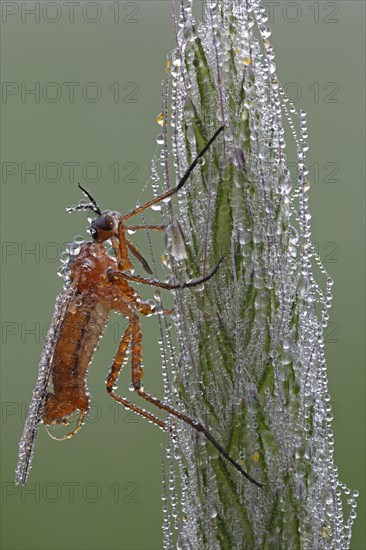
<point x="82" y="328"/>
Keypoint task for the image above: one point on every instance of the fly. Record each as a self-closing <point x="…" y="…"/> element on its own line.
<point x="94" y="285"/>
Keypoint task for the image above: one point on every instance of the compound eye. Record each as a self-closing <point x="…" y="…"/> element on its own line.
<point x="103" y="227"/>
<point x="105" y="223"/>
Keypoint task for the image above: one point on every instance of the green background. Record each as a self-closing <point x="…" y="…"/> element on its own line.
<point x="102" y="489"/>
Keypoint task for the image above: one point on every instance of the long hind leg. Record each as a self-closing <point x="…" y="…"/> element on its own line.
<point x="137" y="373"/>
<point x="113" y="376"/>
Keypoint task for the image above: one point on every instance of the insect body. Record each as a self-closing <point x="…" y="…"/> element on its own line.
<point x="82" y="327"/>
<point x="96" y="284"/>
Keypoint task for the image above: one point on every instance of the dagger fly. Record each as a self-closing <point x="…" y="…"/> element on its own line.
<point x="95" y="284"/>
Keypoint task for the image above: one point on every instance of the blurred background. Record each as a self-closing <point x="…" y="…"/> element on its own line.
<point x="81" y="88"/>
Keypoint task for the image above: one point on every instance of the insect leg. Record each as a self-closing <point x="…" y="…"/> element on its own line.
<point x="183" y="180"/>
<point x="137" y="374"/>
<point x="120" y="248"/>
<point x="113" y="274"/>
<point x="124" y="262"/>
<point x="113" y="376"/>
<point x="145" y="227"/>
<point x="135" y="251"/>
<point x="145" y="308"/>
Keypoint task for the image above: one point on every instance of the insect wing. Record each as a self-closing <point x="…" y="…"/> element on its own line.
<point x="26" y="444"/>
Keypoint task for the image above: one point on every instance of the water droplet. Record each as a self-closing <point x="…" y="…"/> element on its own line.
<point x="213" y="512"/>
<point x="266" y="32"/>
<point x="160" y="119"/>
<point x="74" y="248"/>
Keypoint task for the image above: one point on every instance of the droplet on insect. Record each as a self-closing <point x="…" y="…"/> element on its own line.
<point x="152" y="305"/>
<point x="64" y="257"/>
<point x="64" y="272"/>
<point x="96" y="251"/>
<point x="74" y="248"/>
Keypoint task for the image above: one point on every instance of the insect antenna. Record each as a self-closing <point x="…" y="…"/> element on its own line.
<point x="93" y="205"/>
